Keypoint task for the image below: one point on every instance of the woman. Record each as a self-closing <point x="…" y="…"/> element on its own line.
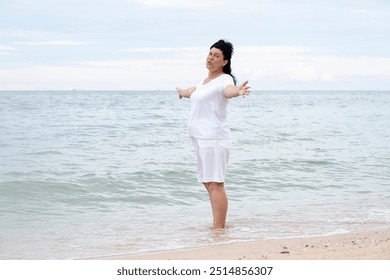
<point x="207" y="125"/>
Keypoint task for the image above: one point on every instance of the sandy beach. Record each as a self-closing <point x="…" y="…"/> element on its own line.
<point x="366" y="245"/>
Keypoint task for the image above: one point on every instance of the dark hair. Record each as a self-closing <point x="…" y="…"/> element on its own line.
<point x="227" y="51"/>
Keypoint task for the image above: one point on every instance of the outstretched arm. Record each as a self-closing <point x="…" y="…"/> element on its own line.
<point x="185" y="92"/>
<point x="234" y="91"/>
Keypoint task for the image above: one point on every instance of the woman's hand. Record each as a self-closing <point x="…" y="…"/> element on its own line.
<point x="243" y="90"/>
<point x="179" y="91"/>
<point x="185" y="92"/>
<point x="234" y="91"/>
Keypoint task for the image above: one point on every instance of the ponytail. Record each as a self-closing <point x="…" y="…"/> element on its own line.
<point x="227" y="51"/>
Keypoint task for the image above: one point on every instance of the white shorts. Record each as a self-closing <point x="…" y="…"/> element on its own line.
<point x="212" y="159"/>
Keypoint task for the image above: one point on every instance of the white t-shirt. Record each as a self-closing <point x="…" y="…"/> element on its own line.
<point x="208" y="110"/>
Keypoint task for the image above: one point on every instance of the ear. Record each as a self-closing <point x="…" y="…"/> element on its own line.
<point x="225" y="62"/>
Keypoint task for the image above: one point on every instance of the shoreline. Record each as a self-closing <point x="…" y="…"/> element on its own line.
<point x="362" y="245"/>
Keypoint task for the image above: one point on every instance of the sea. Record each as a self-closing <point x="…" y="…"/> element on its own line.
<point x="87" y="174"/>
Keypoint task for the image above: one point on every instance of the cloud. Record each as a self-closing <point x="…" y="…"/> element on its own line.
<point x="174" y="53"/>
<point x="182" y="3"/>
<point x="231" y="5"/>
<point x="171" y="3"/>
<point x="154" y="50"/>
<point x="54" y="43"/>
<point x="3" y="47"/>
<point x="266" y="67"/>
<point x="297" y="63"/>
<point x="137" y="74"/>
<point x="5" y="50"/>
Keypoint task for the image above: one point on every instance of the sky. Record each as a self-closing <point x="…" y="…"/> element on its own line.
<point x="161" y="44"/>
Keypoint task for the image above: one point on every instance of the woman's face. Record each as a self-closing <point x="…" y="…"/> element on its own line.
<point x="215" y="60"/>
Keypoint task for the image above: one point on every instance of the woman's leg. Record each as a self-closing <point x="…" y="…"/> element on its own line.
<point x="219" y="203"/>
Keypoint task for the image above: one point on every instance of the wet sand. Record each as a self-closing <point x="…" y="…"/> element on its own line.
<point x="365" y="245"/>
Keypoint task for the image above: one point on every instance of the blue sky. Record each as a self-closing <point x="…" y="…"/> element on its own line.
<point x="160" y="44"/>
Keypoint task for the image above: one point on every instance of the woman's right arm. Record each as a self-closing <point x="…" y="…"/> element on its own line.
<point x="185" y="92"/>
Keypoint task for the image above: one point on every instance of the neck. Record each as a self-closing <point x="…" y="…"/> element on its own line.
<point x="213" y="74"/>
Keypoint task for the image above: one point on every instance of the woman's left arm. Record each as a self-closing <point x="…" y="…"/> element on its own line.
<point x="235" y="91"/>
